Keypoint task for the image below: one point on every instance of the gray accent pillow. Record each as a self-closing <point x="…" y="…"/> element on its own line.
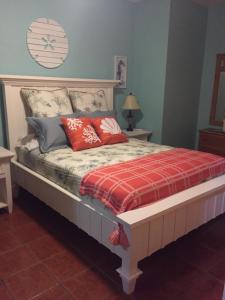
<point x="50" y="132"/>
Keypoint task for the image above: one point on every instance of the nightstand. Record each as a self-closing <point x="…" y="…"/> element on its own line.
<point x="5" y="179"/>
<point x="140" y="134"/>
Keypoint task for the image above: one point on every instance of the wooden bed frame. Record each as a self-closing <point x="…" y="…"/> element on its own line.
<point x="149" y="228"/>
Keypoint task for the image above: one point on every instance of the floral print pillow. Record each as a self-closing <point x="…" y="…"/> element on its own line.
<point x="89" y="102"/>
<point x="44" y="103"/>
<point x="80" y="133"/>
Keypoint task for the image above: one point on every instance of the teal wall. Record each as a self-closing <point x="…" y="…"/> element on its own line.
<point x="183" y="74"/>
<point x="215" y="43"/>
<point x="156" y="36"/>
<point x="150" y="54"/>
<point x="97" y="30"/>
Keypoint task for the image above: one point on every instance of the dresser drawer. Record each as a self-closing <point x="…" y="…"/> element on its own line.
<point x="212" y="150"/>
<point x="212" y="141"/>
<point x="217" y="141"/>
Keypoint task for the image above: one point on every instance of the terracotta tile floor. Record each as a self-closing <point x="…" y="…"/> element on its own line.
<point x="45" y="257"/>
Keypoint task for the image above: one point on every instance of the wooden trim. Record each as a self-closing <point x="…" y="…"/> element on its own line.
<point x="220" y="67"/>
<point x="15" y="80"/>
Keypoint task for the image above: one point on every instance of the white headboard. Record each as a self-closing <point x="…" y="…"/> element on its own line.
<point x="16" y="125"/>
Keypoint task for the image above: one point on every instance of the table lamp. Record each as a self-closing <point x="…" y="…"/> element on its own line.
<point x="130" y="104"/>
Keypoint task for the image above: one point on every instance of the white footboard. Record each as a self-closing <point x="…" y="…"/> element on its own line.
<point x="153" y="227"/>
<point x="148" y="229"/>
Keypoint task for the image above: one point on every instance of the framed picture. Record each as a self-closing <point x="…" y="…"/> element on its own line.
<point x="120" y="71"/>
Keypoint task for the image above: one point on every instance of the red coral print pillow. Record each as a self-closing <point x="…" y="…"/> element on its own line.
<point x="80" y="133"/>
<point x="108" y="130"/>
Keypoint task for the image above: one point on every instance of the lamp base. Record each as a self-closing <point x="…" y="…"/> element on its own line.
<point x="130" y="119"/>
<point x="130" y="128"/>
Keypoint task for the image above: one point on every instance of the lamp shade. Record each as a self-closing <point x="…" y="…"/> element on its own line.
<point x="131" y="103"/>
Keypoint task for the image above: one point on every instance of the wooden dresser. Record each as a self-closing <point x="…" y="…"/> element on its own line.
<point x="212" y="140"/>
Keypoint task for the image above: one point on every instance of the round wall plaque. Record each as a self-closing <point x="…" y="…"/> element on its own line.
<point x="47" y="43"/>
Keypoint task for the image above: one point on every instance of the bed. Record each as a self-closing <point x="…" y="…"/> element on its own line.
<point x="148" y="228"/>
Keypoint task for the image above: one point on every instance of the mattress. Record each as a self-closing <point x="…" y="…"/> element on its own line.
<point x="67" y="168"/>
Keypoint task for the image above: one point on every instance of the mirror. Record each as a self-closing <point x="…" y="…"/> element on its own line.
<point x="218" y="100"/>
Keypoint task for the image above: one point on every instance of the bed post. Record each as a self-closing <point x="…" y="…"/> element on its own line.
<point x="129" y="273"/>
<point x="138" y="241"/>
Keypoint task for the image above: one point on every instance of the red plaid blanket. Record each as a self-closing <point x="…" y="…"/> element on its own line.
<point x="128" y="185"/>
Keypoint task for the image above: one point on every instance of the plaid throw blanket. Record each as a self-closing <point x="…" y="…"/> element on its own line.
<point x="132" y="184"/>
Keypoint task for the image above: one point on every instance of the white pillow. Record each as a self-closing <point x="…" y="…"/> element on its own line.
<point x="89" y="102"/>
<point x="43" y="103"/>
